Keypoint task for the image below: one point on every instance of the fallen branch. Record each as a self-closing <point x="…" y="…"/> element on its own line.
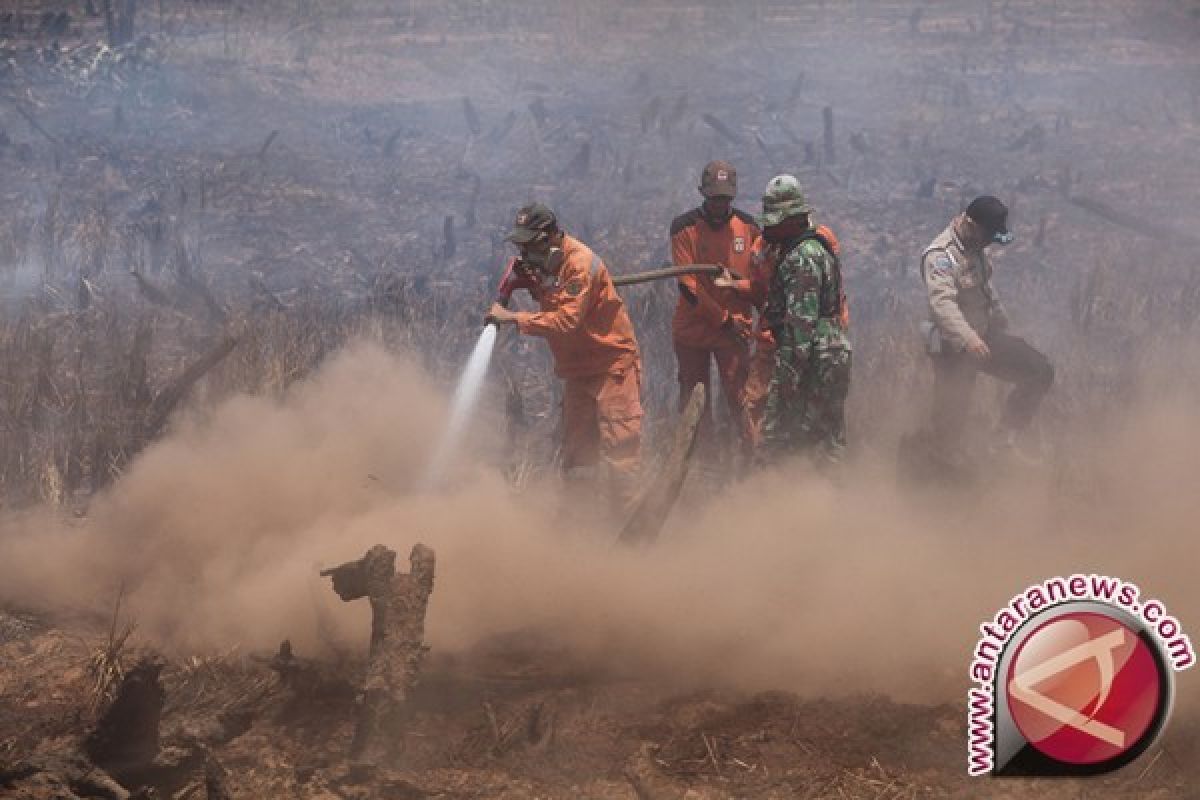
<point x="266" y="145"/>
<point x="1133" y="223"/>
<point x="166" y="400"/>
<point x="651" y="509"/>
<point x="721" y="128"/>
<point x="32" y="120"/>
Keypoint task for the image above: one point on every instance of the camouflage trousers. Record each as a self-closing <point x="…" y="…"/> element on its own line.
<point x="806" y="406"/>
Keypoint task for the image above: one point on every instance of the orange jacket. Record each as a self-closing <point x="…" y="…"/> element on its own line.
<point x="582" y="317"/>
<point x="703" y="308"/>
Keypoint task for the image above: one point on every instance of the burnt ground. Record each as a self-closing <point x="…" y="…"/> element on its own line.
<point x="514" y="719"/>
<point x="286" y="171"/>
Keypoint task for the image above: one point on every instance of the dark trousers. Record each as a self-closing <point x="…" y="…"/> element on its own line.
<point x="1013" y="360"/>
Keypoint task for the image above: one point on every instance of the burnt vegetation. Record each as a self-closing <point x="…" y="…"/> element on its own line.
<point x="201" y="198"/>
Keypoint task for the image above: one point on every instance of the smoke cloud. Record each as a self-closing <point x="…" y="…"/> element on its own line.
<point x="785" y="580"/>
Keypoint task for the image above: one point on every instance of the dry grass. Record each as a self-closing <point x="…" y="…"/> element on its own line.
<point x="106" y="667"/>
<point x="255" y="242"/>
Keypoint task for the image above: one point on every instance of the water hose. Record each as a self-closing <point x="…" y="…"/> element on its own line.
<point x="666" y="272"/>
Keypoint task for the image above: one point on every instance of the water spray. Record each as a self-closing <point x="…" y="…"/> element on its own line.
<point x="470" y="383"/>
<point x="462" y="407"/>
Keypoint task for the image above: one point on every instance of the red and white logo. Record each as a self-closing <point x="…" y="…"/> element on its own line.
<point x="1084" y="688"/>
<point x="739" y="244"/>
<point x="1074" y="676"/>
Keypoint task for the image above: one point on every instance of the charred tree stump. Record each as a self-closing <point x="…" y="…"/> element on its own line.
<point x="398" y="603"/>
<point x="830" y="152"/>
<point x="449" y="240"/>
<point x="125" y="738"/>
<point x="216" y="780"/>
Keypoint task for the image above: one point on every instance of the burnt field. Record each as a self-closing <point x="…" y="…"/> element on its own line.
<point x="246" y="248"/>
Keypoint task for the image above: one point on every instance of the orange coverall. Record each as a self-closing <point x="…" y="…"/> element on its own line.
<point x="700" y="328"/>
<point x="762" y="363"/>
<point x="584" y="321"/>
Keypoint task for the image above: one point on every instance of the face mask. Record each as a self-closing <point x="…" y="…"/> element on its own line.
<point x="1002" y="238"/>
<point x="718" y="216"/>
<point x="772" y="235"/>
<point x="545" y="260"/>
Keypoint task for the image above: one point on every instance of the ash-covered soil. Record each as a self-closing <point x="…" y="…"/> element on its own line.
<point x="514" y="718"/>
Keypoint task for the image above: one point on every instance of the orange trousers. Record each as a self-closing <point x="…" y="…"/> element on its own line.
<point x="733" y="366"/>
<point x="602" y="422"/>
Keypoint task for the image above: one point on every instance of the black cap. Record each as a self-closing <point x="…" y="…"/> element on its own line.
<point x="989" y="213"/>
<point x="531" y="222"/>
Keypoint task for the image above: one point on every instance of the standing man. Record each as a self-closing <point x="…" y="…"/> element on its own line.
<point x="583" y="320"/>
<point x="762" y="360"/>
<point x="967" y="330"/>
<point x="805" y="311"/>
<point x="713" y="320"/>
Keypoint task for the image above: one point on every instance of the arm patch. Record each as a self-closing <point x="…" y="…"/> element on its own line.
<point x="942" y="265"/>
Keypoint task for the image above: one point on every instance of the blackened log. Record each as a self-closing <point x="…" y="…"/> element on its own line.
<point x="651" y="509"/>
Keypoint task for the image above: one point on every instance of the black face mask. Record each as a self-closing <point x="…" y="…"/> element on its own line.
<point x="717" y="218"/>
<point x="546" y="260"/>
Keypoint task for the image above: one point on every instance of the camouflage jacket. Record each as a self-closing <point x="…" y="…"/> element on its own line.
<point x="803" y="302"/>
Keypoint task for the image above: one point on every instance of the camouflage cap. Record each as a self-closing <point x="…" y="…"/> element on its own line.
<point x="783" y="199"/>
<point x="531" y="222"/>
<point x="719" y="179"/>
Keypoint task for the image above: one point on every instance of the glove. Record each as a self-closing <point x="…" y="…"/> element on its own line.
<point x="737" y="329"/>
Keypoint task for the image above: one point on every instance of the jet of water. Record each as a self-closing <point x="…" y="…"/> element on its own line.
<point x="466" y="397"/>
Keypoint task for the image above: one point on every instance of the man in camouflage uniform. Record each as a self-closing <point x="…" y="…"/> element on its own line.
<point x="806" y="400"/>
<point x="967" y="330"/>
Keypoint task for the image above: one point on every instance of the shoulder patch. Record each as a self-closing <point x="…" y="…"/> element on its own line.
<point x="941" y="263"/>
<point x="748" y="219"/>
<point x="685" y="220"/>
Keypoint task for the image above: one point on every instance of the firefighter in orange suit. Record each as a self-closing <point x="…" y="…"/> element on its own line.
<point x="584" y="321"/>
<point x="713" y="321"/>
